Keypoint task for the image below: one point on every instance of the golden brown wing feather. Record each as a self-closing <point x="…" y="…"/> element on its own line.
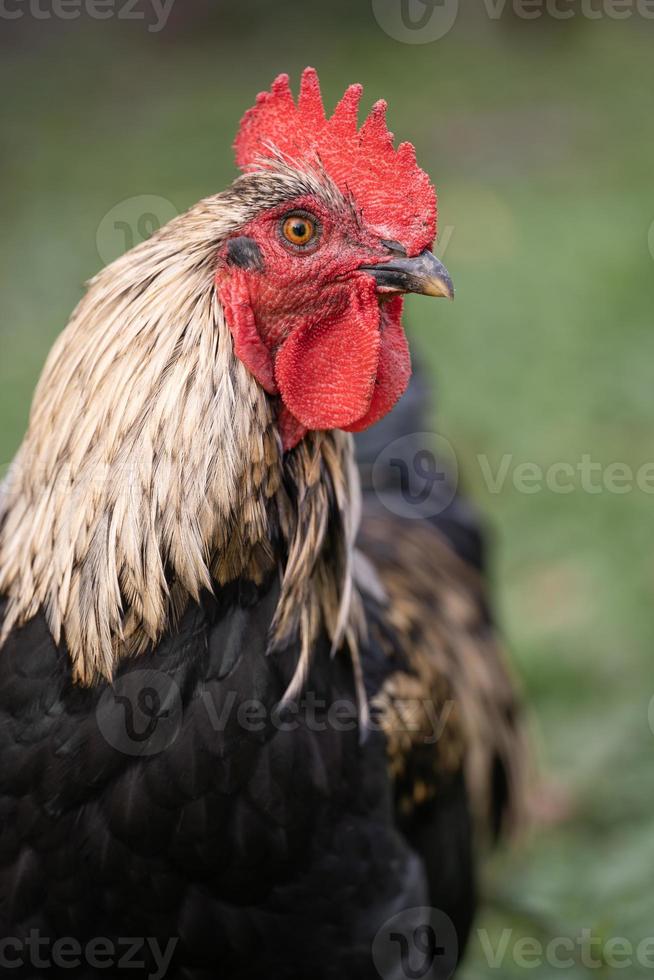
<point x="457" y="683"/>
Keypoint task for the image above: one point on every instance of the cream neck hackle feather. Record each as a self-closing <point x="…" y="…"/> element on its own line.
<point x="152" y="468"/>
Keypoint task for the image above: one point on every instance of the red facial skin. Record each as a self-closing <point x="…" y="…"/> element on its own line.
<point x="312" y="327"/>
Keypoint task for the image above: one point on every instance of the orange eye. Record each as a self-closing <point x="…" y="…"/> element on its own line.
<point x="299" y="229"/>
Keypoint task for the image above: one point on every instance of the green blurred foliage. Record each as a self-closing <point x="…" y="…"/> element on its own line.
<point x="540" y="140"/>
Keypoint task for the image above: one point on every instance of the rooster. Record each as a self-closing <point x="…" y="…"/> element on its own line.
<point x="241" y="723"/>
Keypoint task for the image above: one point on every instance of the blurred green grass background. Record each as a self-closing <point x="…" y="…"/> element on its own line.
<point x="539" y="137"/>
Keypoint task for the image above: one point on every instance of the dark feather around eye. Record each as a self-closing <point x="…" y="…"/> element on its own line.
<point x="245" y="253"/>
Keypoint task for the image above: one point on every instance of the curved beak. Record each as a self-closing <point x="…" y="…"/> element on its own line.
<point x="423" y="273"/>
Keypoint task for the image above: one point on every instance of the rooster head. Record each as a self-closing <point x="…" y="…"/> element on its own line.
<point x="153" y="468"/>
<point x="312" y="286"/>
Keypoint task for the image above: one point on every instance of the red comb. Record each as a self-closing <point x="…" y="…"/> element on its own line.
<point x="395" y="196"/>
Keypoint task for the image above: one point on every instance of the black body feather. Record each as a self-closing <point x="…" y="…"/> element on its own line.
<point x="263" y="852"/>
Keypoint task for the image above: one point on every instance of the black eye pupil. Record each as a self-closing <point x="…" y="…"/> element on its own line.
<point x="299" y="229"/>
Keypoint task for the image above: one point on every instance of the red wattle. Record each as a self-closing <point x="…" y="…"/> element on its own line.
<point x="394" y="369"/>
<point x="239" y="315"/>
<point x="290" y="429"/>
<point x="326" y="369"/>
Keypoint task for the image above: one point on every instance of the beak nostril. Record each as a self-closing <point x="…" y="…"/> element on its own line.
<point x="393" y="246"/>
